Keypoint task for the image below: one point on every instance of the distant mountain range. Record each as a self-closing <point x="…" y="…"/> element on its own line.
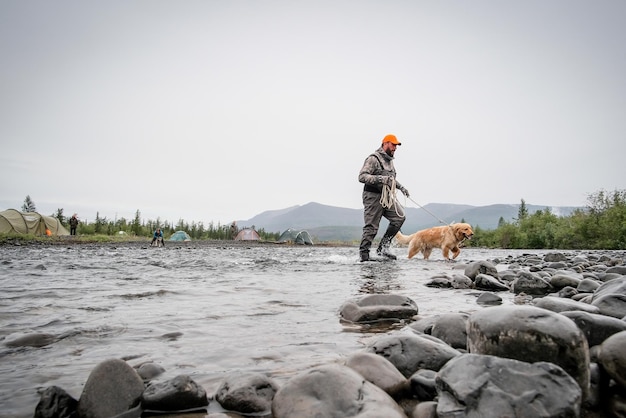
<point x="331" y="223"/>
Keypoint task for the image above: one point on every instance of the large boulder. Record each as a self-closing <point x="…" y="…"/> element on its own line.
<point x="113" y="387"/>
<point x="531" y="334"/>
<point x="473" y="385"/>
<point x="333" y="391"/>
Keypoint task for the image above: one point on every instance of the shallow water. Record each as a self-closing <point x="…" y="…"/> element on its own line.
<point x="197" y="310"/>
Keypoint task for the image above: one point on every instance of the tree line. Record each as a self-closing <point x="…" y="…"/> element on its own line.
<point x="140" y="228"/>
<point x="600" y="225"/>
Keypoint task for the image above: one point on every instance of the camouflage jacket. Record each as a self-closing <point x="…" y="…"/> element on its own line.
<point x="377" y="166"/>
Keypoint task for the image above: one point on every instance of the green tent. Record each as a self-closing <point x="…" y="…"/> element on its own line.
<point x="296" y="237"/>
<point x="180" y="236"/>
<point x="13" y="221"/>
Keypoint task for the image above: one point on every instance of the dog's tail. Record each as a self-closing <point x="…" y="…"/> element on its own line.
<point x="403" y="239"/>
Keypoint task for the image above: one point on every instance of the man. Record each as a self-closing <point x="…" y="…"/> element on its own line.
<point x="377" y="174"/>
<point x="158" y="235"/>
<point x="73" y="224"/>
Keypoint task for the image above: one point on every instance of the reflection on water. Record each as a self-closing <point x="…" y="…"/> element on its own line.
<point x="202" y="311"/>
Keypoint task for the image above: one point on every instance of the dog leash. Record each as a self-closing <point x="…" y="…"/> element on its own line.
<point x="430" y="213"/>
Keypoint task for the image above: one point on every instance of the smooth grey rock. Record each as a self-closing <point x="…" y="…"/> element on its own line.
<point x="611" y="304"/>
<point x="378" y="307"/>
<point x="178" y="394"/>
<point x="248" y="393"/>
<point x="333" y="391"/>
<point x="531" y="334"/>
<point x="561" y="305"/>
<point x="451" y="328"/>
<point x="423" y="385"/>
<point x="596" y="327"/>
<point x="488" y="282"/>
<point x="379" y="371"/>
<point x="409" y="352"/>
<point x="481" y="267"/>
<point x="488" y="298"/>
<point x="56" y="403"/>
<point x="113" y="387"/>
<point x="473" y="385"/>
<point x="530" y="284"/>
<point x="561" y="280"/>
<point x="612" y="357"/>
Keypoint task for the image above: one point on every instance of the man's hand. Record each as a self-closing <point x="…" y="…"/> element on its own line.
<point x="405" y="192"/>
<point x="387" y="180"/>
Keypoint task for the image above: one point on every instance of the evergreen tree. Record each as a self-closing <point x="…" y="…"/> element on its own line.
<point x="29" y="205"/>
<point x="522" y="212"/>
<point x="136" y="227"/>
<point x="59" y="216"/>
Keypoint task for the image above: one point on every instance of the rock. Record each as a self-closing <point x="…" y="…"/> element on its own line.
<point x="113" y="387"/>
<point x="333" y="391"/>
<point x="553" y="257"/>
<point x="610" y="304"/>
<point x="425" y="410"/>
<point x="423" y="384"/>
<point x="378" y="307"/>
<point x="148" y="371"/>
<point x="250" y="393"/>
<point x="561" y="280"/>
<point x="488" y="298"/>
<point x="530" y="284"/>
<point x="596" y="327"/>
<point x="379" y="371"/>
<point x="473" y="385"/>
<point x="587" y="286"/>
<point x="461" y="281"/>
<point x="567" y="292"/>
<point x="621" y="270"/>
<point x="451" y="329"/>
<point x="56" y="403"/>
<point x="612" y="357"/>
<point x="481" y="267"/>
<point x="561" y="305"/>
<point x="531" y="334"/>
<point x="487" y="282"/>
<point x="32" y="340"/>
<point x="410" y="353"/>
<point x="178" y="394"/>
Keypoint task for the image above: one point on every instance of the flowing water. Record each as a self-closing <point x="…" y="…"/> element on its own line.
<point x="201" y="310"/>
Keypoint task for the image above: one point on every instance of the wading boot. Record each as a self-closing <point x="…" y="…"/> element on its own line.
<point x="383" y="248"/>
<point x="365" y="256"/>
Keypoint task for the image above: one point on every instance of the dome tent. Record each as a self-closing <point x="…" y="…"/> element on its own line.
<point x="247" y="234"/>
<point x="296" y="237"/>
<point x="13" y="221"/>
<point x="180" y="236"/>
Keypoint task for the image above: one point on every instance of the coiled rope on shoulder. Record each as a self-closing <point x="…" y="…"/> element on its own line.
<point x="388" y="198"/>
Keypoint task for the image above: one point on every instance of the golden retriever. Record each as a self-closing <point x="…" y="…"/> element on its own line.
<point x="446" y="237"/>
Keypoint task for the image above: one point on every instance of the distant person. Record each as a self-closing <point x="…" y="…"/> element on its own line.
<point x="73" y="224"/>
<point x="233" y="230"/>
<point x="158" y="235"/>
<point x="377" y="174"/>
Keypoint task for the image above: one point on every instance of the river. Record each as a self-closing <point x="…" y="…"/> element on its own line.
<point x="201" y="310"/>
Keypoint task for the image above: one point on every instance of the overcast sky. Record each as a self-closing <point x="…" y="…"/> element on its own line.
<point x="213" y="111"/>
